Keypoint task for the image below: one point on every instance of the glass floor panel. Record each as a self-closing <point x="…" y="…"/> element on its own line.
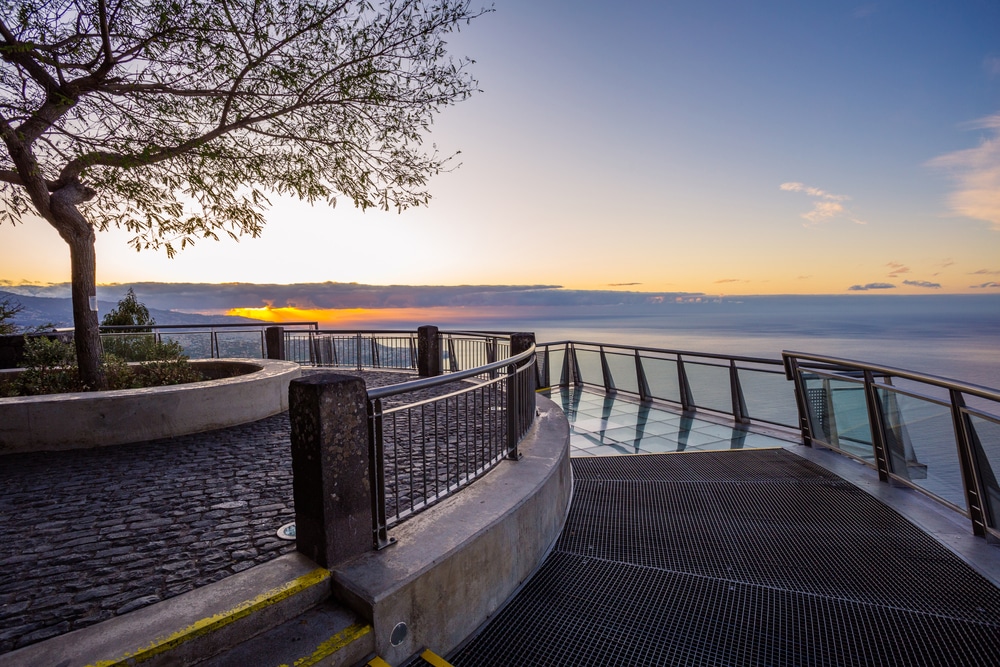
<point x="602" y="425"/>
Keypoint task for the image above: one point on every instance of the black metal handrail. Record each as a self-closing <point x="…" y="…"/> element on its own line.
<point x="455" y="437"/>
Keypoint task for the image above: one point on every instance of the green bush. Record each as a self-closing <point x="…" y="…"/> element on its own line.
<point x="50" y="368"/>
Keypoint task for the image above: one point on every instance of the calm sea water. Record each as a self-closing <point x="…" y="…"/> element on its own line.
<point x="952" y="336"/>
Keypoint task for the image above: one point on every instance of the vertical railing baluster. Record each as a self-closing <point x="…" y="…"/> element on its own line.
<point x="793" y="374"/>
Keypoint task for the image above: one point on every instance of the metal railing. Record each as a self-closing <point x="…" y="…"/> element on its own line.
<point x="468" y="349"/>
<point x="424" y="446"/>
<point x="352" y="349"/>
<point x="749" y="389"/>
<point x="215" y="341"/>
<point x="936" y="435"/>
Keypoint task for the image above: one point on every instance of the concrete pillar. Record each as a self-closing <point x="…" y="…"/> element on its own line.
<point x="330" y="467"/>
<point x="428" y="351"/>
<point x="274" y="341"/>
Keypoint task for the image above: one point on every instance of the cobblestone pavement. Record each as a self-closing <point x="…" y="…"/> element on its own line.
<point x="86" y="535"/>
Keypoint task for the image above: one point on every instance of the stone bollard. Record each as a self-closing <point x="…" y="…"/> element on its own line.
<point x="428" y="351"/>
<point x="330" y="467"/>
<point x="519" y="342"/>
<point x="274" y="342"/>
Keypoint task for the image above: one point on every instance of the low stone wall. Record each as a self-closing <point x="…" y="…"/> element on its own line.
<point x="245" y="391"/>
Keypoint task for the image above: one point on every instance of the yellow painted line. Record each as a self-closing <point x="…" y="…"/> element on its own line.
<point x="333" y="644"/>
<point x="433" y="658"/>
<point x="378" y="662"/>
<point x="220" y="620"/>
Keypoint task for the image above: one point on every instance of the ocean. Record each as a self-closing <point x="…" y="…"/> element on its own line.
<point x="952" y="336"/>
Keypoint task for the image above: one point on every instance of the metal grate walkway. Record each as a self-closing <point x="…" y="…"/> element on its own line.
<point x="746" y="557"/>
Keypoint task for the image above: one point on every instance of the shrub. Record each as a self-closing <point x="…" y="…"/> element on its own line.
<point x="50" y="368"/>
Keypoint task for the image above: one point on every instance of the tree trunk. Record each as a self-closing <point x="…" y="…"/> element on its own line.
<point x="83" y="262"/>
<point x="79" y="235"/>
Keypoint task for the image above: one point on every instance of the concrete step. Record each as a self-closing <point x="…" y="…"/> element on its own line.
<point x="190" y="627"/>
<point x="326" y="636"/>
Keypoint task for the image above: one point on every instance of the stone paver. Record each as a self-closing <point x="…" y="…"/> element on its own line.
<point x="90" y="534"/>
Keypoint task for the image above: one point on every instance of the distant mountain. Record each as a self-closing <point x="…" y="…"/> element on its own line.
<point x="39" y="311"/>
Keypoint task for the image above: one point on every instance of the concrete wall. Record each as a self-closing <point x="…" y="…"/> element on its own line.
<point x="456" y="563"/>
<point x="95" y="419"/>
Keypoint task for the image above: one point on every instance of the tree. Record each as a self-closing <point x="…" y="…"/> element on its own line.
<point x="8" y="311"/>
<point x="130" y="312"/>
<point x="175" y="119"/>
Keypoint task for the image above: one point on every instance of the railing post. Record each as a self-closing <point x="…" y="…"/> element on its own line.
<point x="376" y="473"/>
<point x="330" y="463"/>
<point x="358" y="351"/>
<point x="739" y="404"/>
<point x="428" y="351"/>
<point x="542" y="374"/>
<point x="683" y="386"/>
<point x="965" y="438"/>
<point x="792" y="373"/>
<point x="609" y="382"/>
<point x="877" y="426"/>
<point x="274" y="341"/>
<point x="574" y="365"/>
<point x="640" y="377"/>
<point x="453" y="365"/>
<point x="520" y="395"/>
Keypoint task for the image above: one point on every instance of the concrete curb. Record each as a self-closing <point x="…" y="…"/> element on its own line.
<point x="94" y="419"/>
<point x="455" y="564"/>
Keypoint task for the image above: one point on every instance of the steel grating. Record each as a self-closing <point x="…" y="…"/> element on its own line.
<point x="739" y="558"/>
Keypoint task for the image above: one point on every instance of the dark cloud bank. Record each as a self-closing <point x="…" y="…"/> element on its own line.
<point x="212" y="297"/>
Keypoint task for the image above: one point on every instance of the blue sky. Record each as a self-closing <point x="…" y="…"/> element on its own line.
<point x="718" y="147"/>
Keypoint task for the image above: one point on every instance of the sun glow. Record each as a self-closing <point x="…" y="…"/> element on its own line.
<point x="356" y="317"/>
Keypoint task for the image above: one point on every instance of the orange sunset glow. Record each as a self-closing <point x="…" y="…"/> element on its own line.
<point x="355" y="317"/>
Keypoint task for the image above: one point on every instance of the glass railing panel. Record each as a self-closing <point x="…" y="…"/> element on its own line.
<point x="710" y="386"/>
<point x="622" y="366"/>
<point x="985" y="438"/>
<point x="196" y="344"/>
<point x="838" y="414"/>
<point x="590" y="366"/>
<point x="920" y="444"/>
<point x="557" y="357"/>
<point x="661" y="375"/>
<point x="240" y="344"/>
<point x="769" y="397"/>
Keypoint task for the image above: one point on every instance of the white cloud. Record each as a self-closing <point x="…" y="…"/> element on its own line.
<point x="826" y="208"/>
<point x="976" y="175"/>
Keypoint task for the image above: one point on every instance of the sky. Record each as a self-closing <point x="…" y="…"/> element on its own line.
<point x="718" y="147"/>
